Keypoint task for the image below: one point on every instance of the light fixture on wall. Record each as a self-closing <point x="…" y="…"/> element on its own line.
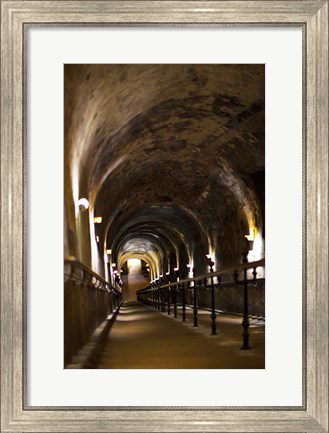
<point x="114" y="265"/>
<point x="98" y="220"/>
<point x="250" y="240"/>
<point x="210" y="262"/>
<point x="83" y="204"/>
<point x="108" y="252"/>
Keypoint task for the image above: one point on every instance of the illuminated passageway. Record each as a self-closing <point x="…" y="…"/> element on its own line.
<point x="164" y="189"/>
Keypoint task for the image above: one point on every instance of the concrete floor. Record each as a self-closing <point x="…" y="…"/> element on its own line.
<point x="143" y="338"/>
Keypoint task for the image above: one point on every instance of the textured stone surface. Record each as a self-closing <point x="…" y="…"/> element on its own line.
<point x="165" y="154"/>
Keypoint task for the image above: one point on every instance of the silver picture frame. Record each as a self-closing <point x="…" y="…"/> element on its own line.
<point x="16" y="17"/>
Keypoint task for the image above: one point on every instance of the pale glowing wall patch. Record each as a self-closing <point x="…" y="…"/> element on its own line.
<point x="106" y="267"/>
<point x="75" y="188"/>
<point x="134" y="266"/>
<point x="95" y="262"/>
<point x="257" y="252"/>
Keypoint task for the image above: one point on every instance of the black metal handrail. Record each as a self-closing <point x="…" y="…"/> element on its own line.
<point x="161" y="294"/>
<point x="79" y="272"/>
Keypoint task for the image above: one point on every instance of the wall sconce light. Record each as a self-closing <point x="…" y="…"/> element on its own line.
<point x="114" y="265"/>
<point x="250" y="242"/>
<point x="83" y="204"/>
<point x="98" y="220"/>
<point x="210" y="262"/>
<point x="108" y="252"/>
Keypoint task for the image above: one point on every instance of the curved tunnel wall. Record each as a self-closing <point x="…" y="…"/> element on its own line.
<point x="166" y="155"/>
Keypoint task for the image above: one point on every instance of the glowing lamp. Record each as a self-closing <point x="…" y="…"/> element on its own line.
<point x="210" y="262"/>
<point x="83" y="204"/>
<point x="250" y="240"/>
<point x="98" y="220"/>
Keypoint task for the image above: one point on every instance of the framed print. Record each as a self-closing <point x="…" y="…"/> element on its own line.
<point x="123" y="112"/>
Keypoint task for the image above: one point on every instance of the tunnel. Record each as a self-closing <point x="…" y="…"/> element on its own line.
<point x="164" y="211"/>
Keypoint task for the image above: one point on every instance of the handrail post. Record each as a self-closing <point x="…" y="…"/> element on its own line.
<point x="175" y="301"/>
<point x="163" y="300"/>
<point x="213" y="311"/>
<point x="245" y="322"/>
<point x="195" y="304"/>
<point x="183" y="302"/>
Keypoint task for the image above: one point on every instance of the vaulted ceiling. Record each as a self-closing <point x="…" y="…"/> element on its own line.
<point x="167" y="154"/>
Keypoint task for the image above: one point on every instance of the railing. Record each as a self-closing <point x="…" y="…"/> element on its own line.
<point x="211" y="290"/>
<point x="88" y="301"/>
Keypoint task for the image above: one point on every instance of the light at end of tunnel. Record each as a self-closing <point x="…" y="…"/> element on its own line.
<point x="98" y="220"/>
<point x="83" y="204"/>
<point x="108" y="252"/>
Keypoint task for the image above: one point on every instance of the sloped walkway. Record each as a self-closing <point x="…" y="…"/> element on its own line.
<point x="143" y="338"/>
